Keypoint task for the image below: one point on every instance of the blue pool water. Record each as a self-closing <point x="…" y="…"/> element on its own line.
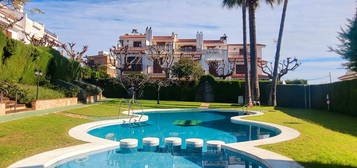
<point x="113" y="159"/>
<point x="213" y="126"/>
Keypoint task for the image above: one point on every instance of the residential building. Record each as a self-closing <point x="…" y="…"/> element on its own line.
<point x="104" y="61"/>
<point x="350" y="75"/>
<point x="23" y="28"/>
<point x="203" y="51"/>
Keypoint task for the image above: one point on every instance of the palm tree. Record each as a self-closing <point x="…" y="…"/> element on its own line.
<point x="272" y="96"/>
<point x="248" y="90"/>
<point x="252" y="6"/>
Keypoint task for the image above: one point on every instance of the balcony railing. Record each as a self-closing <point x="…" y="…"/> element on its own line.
<point x="50" y="33"/>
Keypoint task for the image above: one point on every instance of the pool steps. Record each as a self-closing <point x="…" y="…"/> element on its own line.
<point x="172" y="144"/>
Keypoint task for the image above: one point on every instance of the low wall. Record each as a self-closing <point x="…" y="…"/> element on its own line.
<point x="53" y="103"/>
<point x="2" y="109"/>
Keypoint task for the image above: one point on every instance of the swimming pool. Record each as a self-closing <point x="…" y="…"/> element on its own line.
<point x="205" y="125"/>
<point x="214" y="125"/>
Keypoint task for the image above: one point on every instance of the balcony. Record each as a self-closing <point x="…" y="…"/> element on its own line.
<point x="51" y="33"/>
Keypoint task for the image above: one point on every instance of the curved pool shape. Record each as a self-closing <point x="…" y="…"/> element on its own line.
<point x="212" y="125"/>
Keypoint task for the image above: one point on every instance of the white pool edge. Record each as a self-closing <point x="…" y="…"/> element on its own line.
<point x="95" y="144"/>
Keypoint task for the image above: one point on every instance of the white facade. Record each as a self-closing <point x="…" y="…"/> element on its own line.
<point x="24" y="27"/>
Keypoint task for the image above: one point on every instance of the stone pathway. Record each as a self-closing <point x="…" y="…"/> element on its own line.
<point x="204" y="106"/>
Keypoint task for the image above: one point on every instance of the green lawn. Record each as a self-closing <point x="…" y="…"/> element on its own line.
<point x="111" y="108"/>
<point x="44" y="93"/>
<point x="29" y="136"/>
<point x="328" y="140"/>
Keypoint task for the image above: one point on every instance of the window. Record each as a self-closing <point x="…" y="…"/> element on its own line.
<point x="161" y="43"/>
<point x="188" y="48"/>
<point x="240" y="69"/>
<point x="137" y="44"/>
<point x="135" y="63"/>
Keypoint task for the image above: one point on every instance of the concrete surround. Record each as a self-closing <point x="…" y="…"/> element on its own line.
<point x="45" y="104"/>
<point x="270" y="159"/>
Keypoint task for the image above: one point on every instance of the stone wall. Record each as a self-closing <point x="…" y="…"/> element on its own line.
<point x="2" y="109"/>
<point x="53" y="103"/>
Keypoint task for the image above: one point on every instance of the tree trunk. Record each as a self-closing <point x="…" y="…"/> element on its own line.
<point x="253" y="52"/>
<point x="248" y="90"/>
<point x="272" y="96"/>
<point x="158" y="94"/>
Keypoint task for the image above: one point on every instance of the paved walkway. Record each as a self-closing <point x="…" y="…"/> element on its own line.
<point x="26" y="114"/>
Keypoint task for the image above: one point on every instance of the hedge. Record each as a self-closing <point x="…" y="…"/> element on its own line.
<point x="224" y="90"/>
<point x="342" y="95"/>
<point x="18" y="62"/>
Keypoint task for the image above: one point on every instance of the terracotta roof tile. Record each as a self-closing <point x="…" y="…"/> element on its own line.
<point x="212" y="41"/>
<point x="186" y="40"/>
<point x="162" y="37"/>
<point x="133" y="36"/>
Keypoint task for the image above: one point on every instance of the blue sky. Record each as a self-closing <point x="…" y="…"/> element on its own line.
<point x="311" y="26"/>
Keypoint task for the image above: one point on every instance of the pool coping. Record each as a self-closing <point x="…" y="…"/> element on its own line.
<point x="95" y="144"/>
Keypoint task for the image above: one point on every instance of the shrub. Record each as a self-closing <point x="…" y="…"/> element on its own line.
<point x="44" y="93"/>
<point x="72" y="90"/>
<point x="89" y="88"/>
<point x="18" y="62"/>
<point x="187" y="68"/>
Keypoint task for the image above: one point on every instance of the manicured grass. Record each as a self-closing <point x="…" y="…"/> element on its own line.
<point x="328" y="140"/>
<point x="25" y="137"/>
<point x="44" y="93"/>
<point x="111" y="108"/>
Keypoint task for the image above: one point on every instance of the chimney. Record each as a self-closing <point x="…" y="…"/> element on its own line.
<point x="199" y="41"/>
<point x="148" y="34"/>
<point x="224" y="38"/>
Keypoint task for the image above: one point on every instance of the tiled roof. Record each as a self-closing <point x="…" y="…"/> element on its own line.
<point x="133" y="36"/>
<point x="348" y="76"/>
<point x="212" y="41"/>
<point x="162" y="37"/>
<point x="186" y="40"/>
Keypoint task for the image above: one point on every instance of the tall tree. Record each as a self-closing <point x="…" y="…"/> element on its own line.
<point x="272" y="95"/>
<point x="348" y="44"/>
<point x="248" y="88"/>
<point x="252" y="5"/>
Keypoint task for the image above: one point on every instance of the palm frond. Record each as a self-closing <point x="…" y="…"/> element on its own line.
<point x="232" y="3"/>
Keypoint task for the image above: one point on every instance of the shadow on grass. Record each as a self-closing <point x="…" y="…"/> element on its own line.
<point x="323" y="165"/>
<point x="331" y="120"/>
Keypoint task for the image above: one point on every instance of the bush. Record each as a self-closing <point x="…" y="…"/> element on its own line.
<point x="71" y="90"/>
<point x="187" y="68"/>
<point x="89" y="88"/>
<point x="18" y="62"/>
<point x="44" y="93"/>
<point x="225" y="91"/>
<point x="296" y="81"/>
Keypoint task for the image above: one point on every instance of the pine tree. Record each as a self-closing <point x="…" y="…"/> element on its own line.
<point x="348" y="47"/>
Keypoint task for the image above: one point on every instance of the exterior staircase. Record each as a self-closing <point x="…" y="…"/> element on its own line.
<point x="12" y="107"/>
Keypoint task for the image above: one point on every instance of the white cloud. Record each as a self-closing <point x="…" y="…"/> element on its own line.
<point x="310" y="26"/>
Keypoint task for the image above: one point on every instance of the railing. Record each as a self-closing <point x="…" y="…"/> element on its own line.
<point x="50" y="33"/>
